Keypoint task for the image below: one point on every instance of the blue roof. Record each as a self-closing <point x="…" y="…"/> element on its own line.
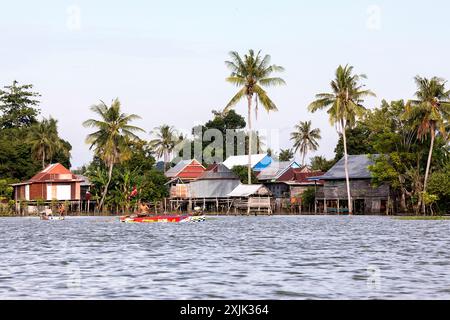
<point x="264" y="163"/>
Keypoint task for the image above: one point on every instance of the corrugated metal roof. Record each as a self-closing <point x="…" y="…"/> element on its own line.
<point x="182" y="165"/>
<point x="52" y="173"/>
<point x="246" y="190"/>
<point x="358" y="168"/>
<point x="85" y="180"/>
<point x="219" y="172"/>
<point x="276" y="169"/>
<point x="172" y="172"/>
<point x="234" y="161"/>
<point x="210" y="189"/>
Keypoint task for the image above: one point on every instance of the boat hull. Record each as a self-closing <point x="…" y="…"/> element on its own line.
<point x="162" y="219"/>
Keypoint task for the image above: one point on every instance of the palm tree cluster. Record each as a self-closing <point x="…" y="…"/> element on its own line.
<point x="253" y="73"/>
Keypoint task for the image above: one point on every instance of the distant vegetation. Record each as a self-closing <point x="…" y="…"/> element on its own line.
<point x="409" y="137"/>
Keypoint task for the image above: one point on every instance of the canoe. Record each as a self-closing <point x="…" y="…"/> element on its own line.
<point x="162" y="219"/>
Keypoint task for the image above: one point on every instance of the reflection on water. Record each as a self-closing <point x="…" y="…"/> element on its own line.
<point x="225" y="258"/>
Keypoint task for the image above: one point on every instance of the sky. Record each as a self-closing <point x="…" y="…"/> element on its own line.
<point x="165" y="59"/>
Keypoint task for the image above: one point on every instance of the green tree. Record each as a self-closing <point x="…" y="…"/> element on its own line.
<point x="18" y="106"/>
<point x="320" y="163"/>
<point x="6" y="190"/>
<point x="45" y="142"/>
<point x="286" y="155"/>
<point x="165" y="138"/>
<point x="241" y="172"/>
<point x="344" y="105"/>
<point x="16" y="161"/>
<point x="227" y="123"/>
<point x="431" y="110"/>
<point x="63" y="154"/>
<point x="439" y="185"/>
<point x="305" y="139"/>
<point x="111" y="140"/>
<point x="388" y="132"/>
<point x="252" y="73"/>
<point x="358" y="142"/>
<point x="308" y="198"/>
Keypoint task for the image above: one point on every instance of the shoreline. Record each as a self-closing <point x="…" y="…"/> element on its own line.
<point x="399" y="217"/>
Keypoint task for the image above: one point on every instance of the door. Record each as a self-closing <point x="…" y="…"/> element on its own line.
<point x="49" y="192"/>
<point x="63" y="192"/>
<point x="27" y="192"/>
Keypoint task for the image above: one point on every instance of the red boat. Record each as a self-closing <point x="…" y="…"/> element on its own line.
<point x="161" y="219"/>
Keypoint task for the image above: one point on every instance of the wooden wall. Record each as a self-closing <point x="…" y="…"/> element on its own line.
<point x="361" y="189"/>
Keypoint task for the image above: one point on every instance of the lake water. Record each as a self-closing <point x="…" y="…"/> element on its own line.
<point x="225" y="258"/>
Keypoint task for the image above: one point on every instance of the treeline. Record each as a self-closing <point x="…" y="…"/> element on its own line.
<point x="26" y="143"/>
<point x="409" y="139"/>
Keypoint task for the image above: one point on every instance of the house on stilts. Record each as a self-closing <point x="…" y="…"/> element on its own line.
<point x="366" y="199"/>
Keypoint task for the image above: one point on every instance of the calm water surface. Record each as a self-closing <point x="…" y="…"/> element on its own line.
<point x="225" y="258"/>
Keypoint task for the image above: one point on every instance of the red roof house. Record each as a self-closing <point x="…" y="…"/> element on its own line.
<point x="55" y="182"/>
<point x="186" y="170"/>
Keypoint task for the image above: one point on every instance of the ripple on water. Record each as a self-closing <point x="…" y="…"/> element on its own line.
<point x="225" y="258"/>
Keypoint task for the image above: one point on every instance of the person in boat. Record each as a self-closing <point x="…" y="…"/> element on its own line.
<point x="143" y="210"/>
<point x="62" y="209"/>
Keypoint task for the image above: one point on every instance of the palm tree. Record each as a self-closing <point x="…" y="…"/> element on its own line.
<point x="285" y="155"/>
<point x="164" y="142"/>
<point x="344" y="105"/>
<point x="44" y="140"/>
<point x="305" y="139"/>
<point x="111" y="140"/>
<point x="252" y="73"/>
<point x="431" y="111"/>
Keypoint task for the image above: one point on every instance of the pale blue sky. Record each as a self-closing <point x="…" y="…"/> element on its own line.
<point x="164" y="59"/>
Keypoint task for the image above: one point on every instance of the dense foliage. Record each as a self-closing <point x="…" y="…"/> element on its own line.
<point x="19" y="151"/>
<point x="241" y="172"/>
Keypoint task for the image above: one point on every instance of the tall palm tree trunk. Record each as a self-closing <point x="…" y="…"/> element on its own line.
<point x="43" y="159"/>
<point x="105" y="190"/>
<point x="427" y="171"/>
<point x="347" y="179"/>
<point x="250" y="138"/>
<point x="165" y="161"/>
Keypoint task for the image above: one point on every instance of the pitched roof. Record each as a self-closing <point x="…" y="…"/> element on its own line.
<point x="218" y="172"/>
<point x="358" y="168"/>
<point x="85" y="180"/>
<point x="234" y="161"/>
<point x="246" y="190"/>
<point x="276" y="170"/>
<point x="301" y="177"/>
<point x="212" y="188"/>
<point x="54" y="173"/>
<point x="180" y="166"/>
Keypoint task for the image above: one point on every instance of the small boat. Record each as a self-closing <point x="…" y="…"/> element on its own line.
<point x="55" y="218"/>
<point x="162" y="219"/>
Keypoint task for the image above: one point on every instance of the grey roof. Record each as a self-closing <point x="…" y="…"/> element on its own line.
<point x="276" y="169"/>
<point x="86" y="182"/>
<point x="219" y="172"/>
<point x="245" y="190"/>
<point x="210" y="189"/>
<point x="358" y="168"/>
<point x="172" y="172"/>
